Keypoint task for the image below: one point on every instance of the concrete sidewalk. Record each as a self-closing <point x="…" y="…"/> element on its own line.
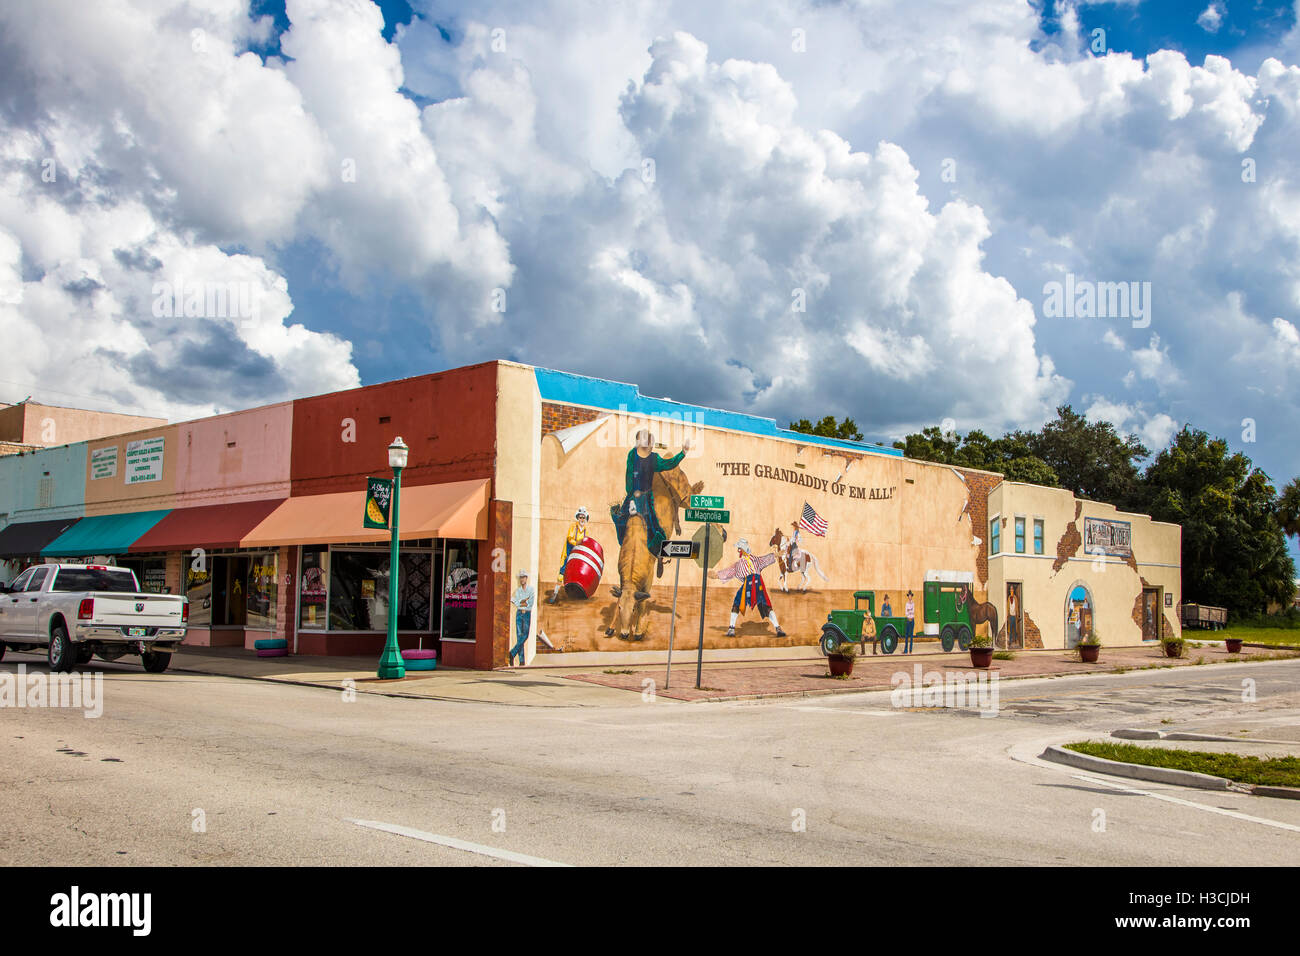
<point x="533" y="688"/>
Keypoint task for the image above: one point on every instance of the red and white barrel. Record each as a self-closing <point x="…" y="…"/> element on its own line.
<point x="583" y="569"/>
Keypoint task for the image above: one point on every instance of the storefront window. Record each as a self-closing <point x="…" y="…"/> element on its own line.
<point x="261" y="591"/>
<point x="312" y="588"/>
<point x="150" y="573"/>
<point x="460" y="590"/>
<point x="198" y="588"/>
<point x="358" y="592"/>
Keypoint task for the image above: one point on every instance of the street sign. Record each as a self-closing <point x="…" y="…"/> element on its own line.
<point x="679" y="549"/>
<point x="702" y="514"/>
<point x="707" y="501"/>
<point x="716" y="538"/>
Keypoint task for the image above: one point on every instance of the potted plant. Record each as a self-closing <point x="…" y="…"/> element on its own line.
<point x="981" y="650"/>
<point x="1173" y="646"/>
<point x="1089" y="648"/>
<point x="841" y="662"/>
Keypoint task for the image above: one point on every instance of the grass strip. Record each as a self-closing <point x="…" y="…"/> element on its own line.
<point x="1273" y="771"/>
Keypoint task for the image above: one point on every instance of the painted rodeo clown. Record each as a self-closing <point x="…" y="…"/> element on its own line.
<point x="582" y="564"/>
<point x="752" y="591"/>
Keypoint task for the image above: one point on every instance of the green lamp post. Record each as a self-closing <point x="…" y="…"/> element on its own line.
<point x="390" y="663"/>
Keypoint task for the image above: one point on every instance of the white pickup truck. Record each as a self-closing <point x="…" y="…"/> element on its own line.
<point x="78" y="610"/>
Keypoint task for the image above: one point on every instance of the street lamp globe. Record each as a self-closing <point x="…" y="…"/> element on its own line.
<point x="397" y="453"/>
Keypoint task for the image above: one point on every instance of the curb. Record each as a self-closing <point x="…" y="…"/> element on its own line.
<point x="1180" y="778"/>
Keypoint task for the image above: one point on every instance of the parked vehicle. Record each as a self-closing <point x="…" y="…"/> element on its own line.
<point x="1204" y="617"/>
<point x="79" y="610"/>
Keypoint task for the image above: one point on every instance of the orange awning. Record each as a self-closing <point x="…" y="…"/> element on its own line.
<point x="458" y="509"/>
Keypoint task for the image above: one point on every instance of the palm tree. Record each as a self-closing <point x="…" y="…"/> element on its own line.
<point x="1288" y="508"/>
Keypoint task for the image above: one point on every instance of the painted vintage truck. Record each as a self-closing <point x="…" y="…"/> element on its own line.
<point x="76" y="611"/>
<point x="945" y="614"/>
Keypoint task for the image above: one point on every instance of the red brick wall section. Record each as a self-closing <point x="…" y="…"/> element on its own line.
<point x="556" y="417"/>
<point x="493" y="623"/>
<point x="978" y="486"/>
<point x="1033" y="636"/>
<point x="1070" y="541"/>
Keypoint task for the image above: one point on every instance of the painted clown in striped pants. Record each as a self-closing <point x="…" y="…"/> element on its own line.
<point x="752" y="593"/>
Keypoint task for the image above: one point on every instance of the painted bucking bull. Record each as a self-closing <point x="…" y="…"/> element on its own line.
<point x="656" y="491"/>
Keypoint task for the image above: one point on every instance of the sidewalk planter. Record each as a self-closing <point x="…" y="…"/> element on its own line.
<point x="1172" y="648"/>
<point x="418" y="660"/>
<point x="1088" y="653"/>
<point x="1234" y="644"/>
<point x="841" y="666"/>
<point x="981" y="656"/>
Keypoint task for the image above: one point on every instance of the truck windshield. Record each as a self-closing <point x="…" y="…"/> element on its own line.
<point x="94" y="579"/>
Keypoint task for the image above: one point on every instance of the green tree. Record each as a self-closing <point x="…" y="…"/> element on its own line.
<point x="1008" y="455"/>
<point x="1089" y="458"/>
<point x="828" y="427"/>
<point x="1234" y="544"/>
<point x="1288" y="510"/>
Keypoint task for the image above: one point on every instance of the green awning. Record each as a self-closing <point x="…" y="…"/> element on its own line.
<point x="103" y="534"/>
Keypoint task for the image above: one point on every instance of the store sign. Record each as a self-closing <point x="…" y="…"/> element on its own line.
<point x="1103" y="536"/>
<point x="103" y="462"/>
<point x="144" y="460"/>
<point x="379" y="497"/>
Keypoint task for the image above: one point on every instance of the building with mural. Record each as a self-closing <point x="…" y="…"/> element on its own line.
<point x="257" y="517"/>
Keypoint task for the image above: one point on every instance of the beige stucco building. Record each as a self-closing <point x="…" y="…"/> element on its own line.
<point x="1072" y="567"/>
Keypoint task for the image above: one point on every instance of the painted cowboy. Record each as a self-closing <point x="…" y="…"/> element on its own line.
<point x="642" y="464"/>
<point x="577" y="534"/>
<point x="752" y="591"/>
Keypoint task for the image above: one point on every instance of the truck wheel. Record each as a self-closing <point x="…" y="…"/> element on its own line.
<point x="155" y="662"/>
<point x="963" y="637"/>
<point x="830" y="643"/>
<point x="888" y="639"/>
<point x="948" y="638"/>
<point x="60" y="653"/>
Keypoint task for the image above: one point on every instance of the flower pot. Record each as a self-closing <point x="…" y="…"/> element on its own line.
<point x="1234" y="644"/>
<point x="1172" y="649"/>
<point x="841" y="666"/>
<point x="981" y="656"/>
<point x="1088" y="653"/>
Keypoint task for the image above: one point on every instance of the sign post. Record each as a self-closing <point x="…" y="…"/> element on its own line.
<point x="708" y="509"/>
<point x="678" y="550"/>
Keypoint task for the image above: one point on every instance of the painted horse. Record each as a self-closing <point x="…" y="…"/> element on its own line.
<point x="794" y="559"/>
<point x="636" y="563"/>
<point x="980" y="611"/>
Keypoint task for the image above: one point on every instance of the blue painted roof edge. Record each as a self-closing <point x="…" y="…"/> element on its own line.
<point x="573" y="389"/>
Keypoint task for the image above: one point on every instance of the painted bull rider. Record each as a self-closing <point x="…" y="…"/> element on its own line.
<point x="642" y="463"/>
<point x="752" y="592"/>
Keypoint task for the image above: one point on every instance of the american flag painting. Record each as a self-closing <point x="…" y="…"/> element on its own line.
<point x="812" y="522"/>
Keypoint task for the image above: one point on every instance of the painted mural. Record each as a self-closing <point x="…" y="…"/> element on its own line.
<point x="809" y="527"/>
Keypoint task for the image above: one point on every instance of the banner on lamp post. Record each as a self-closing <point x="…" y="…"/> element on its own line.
<point x="379" y="499"/>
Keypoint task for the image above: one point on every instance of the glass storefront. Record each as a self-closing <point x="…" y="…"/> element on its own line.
<point x="150" y="572"/>
<point x="233" y="590"/>
<point x="345" y="588"/>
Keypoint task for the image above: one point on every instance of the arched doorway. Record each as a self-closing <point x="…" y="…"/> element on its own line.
<point x="1078" y="614"/>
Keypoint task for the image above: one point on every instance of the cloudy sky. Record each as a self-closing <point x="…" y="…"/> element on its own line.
<point x="786" y="207"/>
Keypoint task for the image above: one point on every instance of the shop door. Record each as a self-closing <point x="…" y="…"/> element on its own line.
<point x="1015" y="617"/>
<point x="1150" y="614"/>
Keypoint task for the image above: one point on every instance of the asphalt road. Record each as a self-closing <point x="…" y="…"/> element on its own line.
<point x="276" y="774"/>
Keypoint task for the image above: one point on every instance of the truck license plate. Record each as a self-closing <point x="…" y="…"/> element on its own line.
<point x="136" y="632"/>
